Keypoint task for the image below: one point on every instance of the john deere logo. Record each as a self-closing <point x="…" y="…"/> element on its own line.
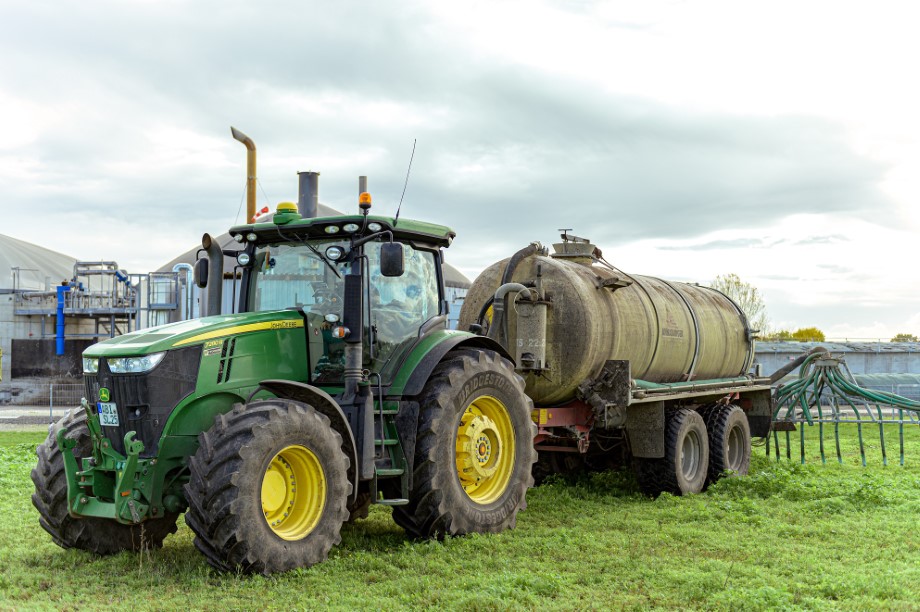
<point x="103" y="394"/>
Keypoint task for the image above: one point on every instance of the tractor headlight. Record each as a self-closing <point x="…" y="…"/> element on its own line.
<point x="134" y="365"/>
<point x="90" y="365"/>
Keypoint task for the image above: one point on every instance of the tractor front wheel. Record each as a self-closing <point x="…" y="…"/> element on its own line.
<point x="475" y="450"/>
<point x="99" y="536"/>
<point x="268" y="488"/>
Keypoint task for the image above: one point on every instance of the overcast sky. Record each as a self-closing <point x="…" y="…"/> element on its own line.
<point x="777" y="140"/>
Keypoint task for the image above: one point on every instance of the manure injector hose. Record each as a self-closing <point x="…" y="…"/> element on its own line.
<point x="824" y="377"/>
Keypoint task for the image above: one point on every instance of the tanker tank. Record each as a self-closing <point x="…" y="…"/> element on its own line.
<point x="563" y="316"/>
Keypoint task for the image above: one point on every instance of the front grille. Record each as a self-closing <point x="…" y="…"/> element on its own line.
<point x="145" y="401"/>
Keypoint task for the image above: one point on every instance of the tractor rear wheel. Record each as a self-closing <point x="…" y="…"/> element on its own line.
<point x="729" y="441"/>
<point x="268" y="488"/>
<point x="685" y="465"/>
<point x="99" y="536"/>
<point x="474" y="452"/>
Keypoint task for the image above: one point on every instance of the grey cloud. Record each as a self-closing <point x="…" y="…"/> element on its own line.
<point x="812" y="240"/>
<point x="717" y="245"/>
<point x="555" y="152"/>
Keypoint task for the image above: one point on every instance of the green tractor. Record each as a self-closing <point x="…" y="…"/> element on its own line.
<point x="335" y="385"/>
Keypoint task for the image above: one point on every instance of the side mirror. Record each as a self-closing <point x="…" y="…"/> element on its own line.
<point x="391" y="259"/>
<point x="201" y="273"/>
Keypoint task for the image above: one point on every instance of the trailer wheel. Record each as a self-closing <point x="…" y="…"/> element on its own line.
<point x="268" y="488"/>
<point x="685" y="465"/>
<point x="99" y="536"/>
<point x="475" y="450"/>
<point x="729" y="441"/>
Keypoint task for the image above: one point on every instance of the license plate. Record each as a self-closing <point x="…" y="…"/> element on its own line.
<point x="108" y="413"/>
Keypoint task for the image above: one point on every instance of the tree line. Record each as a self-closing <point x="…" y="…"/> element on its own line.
<point x="750" y="300"/>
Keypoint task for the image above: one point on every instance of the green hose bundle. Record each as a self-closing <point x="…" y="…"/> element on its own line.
<point x="826" y="393"/>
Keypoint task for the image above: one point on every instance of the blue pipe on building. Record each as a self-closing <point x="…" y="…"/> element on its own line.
<point x="59" y="336"/>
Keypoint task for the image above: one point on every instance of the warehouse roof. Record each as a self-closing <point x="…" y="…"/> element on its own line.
<point x="35" y="263"/>
<point x="839" y="347"/>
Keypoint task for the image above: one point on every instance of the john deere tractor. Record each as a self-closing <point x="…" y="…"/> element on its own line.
<point x="335" y="384"/>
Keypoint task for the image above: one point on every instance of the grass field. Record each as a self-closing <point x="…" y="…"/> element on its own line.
<point x="787" y="536"/>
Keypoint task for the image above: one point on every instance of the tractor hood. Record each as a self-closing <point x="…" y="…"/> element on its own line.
<point x="196" y="331"/>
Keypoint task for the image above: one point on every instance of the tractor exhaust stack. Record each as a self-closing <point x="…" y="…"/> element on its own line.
<point x="308" y="194"/>
<point x="250" y="172"/>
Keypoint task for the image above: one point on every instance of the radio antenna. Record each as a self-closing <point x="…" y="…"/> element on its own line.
<point x="408" y="170"/>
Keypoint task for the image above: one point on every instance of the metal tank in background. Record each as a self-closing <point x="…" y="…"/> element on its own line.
<point x="563" y="316"/>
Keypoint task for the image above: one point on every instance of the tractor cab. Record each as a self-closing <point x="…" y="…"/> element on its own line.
<point x="362" y="280"/>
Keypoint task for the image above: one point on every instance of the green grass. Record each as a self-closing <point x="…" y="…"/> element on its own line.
<point x="787" y="536"/>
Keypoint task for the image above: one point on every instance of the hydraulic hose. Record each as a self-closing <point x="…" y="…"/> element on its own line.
<point x="527" y="251"/>
<point x="780" y="373"/>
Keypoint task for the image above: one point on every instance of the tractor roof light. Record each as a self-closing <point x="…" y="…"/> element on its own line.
<point x="364" y="201"/>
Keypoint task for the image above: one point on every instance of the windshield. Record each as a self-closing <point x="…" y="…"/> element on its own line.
<point x="298" y="275"/>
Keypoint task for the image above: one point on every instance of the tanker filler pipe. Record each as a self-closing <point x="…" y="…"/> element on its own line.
<point x="498" y="303"/>
<point x="250" y="172"/>
<point x="498" y="309"/>
<point x="215" y="273"/>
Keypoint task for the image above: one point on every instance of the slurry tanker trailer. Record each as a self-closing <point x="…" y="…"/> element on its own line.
<point x="624" y="368"/>
<point x="336" y="384"/>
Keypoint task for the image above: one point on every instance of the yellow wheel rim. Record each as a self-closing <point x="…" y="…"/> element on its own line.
<point x="485" y="449"/>
<point x="293" y="492"/>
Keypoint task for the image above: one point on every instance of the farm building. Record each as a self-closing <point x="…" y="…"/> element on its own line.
<point x="52" y="306"/>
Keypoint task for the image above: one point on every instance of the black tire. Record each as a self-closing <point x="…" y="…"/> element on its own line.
<point x="99" y="536"/>
<point x="685" y="466"/>
<point x="361" y="508"/>
<point x="550" y="463"/>
<point x="729" y="441"/>
<point x="475" y="393"/>
<point x="237" y="457"/>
